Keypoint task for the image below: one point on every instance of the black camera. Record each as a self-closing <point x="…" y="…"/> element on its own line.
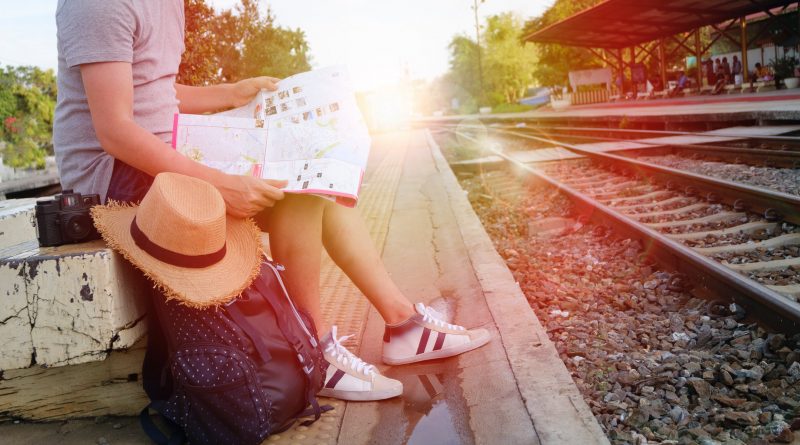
<point x="65" y="219"/>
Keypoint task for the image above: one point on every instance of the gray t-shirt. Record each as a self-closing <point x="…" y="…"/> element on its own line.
<point x="148" y="35"/>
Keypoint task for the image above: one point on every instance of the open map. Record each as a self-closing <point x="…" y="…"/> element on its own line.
<point x="309" y="132"/>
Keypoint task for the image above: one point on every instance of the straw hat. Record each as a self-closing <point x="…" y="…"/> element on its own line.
<point x="181" y="238"/>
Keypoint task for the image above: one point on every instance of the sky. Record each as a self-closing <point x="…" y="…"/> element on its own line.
<point x="378" y="40"/>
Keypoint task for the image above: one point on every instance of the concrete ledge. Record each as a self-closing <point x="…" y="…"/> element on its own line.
<point x="67" y="305"/>
<point x="16" y="222"/>
<point x="557" y="409"/>
<point x="111" y="387"/>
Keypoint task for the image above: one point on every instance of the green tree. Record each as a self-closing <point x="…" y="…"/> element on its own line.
<point x="463" y="74"/>
<point x="507" y="63"/>
<point x="239" y="43"/>
<point x="199" y="64"/>
<point x="555" y="61"/>
<point x="27" y="103"/>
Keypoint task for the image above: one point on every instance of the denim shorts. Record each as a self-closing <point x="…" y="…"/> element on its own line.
<point x="128" y="184"/>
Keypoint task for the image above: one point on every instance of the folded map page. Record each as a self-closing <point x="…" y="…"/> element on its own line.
<point x="309" y="132"/>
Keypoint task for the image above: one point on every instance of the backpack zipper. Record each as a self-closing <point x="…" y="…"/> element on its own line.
<point x="275" y="268"/>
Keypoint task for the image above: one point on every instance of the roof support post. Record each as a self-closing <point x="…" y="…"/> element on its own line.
<point x="743" y="40"/>
<point x="698" y="54"/>
<point x="621" y="71"/>
<point x="634" y="86"/>
<point x="662" y="63"/>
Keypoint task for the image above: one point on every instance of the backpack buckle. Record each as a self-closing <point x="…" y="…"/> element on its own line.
<point x="306" y="368"/>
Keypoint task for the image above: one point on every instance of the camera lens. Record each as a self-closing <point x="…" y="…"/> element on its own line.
<point x="76" y="227"/>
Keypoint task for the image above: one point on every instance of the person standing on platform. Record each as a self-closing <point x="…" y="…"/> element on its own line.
<point x="736" y="70"/>
<point x="726" y="70"/>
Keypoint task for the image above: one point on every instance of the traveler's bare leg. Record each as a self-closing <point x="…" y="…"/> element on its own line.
<point x="295" y="240"/>
<point x="298" y="225"/>
<point x="349" y="244"/>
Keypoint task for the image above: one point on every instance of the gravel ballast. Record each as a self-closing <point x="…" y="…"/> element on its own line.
<point x="655" y="363"/>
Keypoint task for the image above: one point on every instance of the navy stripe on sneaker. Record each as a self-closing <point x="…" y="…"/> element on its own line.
<point x="335" y="379"/>
<point x="423" y="341"/>
<point x="439" y="341"/>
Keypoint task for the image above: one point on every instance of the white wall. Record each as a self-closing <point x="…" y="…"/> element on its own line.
<point x="763" y="55"/>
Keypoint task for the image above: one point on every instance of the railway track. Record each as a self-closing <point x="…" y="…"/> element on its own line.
<point x="762" y="151"/>
<point x="728" y="238"/>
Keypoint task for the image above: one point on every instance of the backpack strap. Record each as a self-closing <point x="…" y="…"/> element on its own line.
<point x="250" y="331"/>
<point x="284" y="321"/>
<point x="176" y="436"/>
<point x="156" y="378"/>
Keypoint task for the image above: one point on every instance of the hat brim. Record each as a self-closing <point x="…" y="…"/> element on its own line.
<point x="196" y="287"/>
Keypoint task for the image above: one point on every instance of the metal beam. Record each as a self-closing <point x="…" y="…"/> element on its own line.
<point x="681" y="43"/>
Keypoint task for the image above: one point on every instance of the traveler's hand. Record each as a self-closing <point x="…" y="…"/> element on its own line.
<point x="245" y="90"/>
<point x="245" y="196"/>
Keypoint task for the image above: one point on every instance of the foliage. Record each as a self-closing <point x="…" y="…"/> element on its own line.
<point x="783" y="67"/>
<point x="507" y="65"/>
<point x="236" y="44"/>
<point x="464" y="74"/>
<point x="512" y="108"/>
<point x="555" y="61"/>
<point x="27" y="102"/>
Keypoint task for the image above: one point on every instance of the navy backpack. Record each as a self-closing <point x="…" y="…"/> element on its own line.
<point x="232" y="374"/>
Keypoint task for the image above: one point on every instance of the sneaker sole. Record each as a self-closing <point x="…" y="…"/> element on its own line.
<point x="442" y="353"/>
<point x="359" y="396"/>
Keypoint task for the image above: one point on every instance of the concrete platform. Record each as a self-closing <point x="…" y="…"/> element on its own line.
<point x="748" y="108"/>
<point x="514" y="390"/>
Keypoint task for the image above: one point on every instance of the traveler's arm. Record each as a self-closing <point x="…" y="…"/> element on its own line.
<point x="198" y="100"/>
<point x="109" y="90"/>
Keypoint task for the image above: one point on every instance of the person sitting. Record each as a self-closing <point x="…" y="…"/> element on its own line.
<point x="683" y="80"/>
<point x="117" y="95"/>
<point x="719" y="86"/>
<point x="761" y="74"/>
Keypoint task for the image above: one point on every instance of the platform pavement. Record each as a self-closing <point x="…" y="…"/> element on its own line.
<point x="775" y="105"/>
<point x="514" y="390"/>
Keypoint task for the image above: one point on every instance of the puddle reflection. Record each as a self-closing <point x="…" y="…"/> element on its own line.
<point x="430" y="408"/>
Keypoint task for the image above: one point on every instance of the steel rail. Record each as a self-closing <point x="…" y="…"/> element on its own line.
<point x="759" y="300"/>
<point x="677" y="133"/>
<point x="772" y="204"/>
<point x="789" y="158"/>
<point x="656" y="143"/>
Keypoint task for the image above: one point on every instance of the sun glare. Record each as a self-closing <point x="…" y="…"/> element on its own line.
<point x="388" y="108"/>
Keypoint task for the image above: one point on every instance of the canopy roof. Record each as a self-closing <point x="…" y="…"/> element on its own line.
<point x="625" y="23"/>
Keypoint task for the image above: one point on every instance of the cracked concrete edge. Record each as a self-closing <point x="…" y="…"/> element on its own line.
<point x="68" y="306"/>
<point x="557" y="410"/>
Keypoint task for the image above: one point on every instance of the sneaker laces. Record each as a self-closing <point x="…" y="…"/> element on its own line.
<point x="431" y="316"/>
<point x="345" y="357"/>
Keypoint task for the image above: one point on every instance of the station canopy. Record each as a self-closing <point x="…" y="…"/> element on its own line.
<point x="626" y="23"/>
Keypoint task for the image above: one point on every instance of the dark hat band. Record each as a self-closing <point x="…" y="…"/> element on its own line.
<point x="174" y="258"/>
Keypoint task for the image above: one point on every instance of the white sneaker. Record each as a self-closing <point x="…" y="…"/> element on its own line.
<point x="426" y="336"/>
<point x="350" y="378"/>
